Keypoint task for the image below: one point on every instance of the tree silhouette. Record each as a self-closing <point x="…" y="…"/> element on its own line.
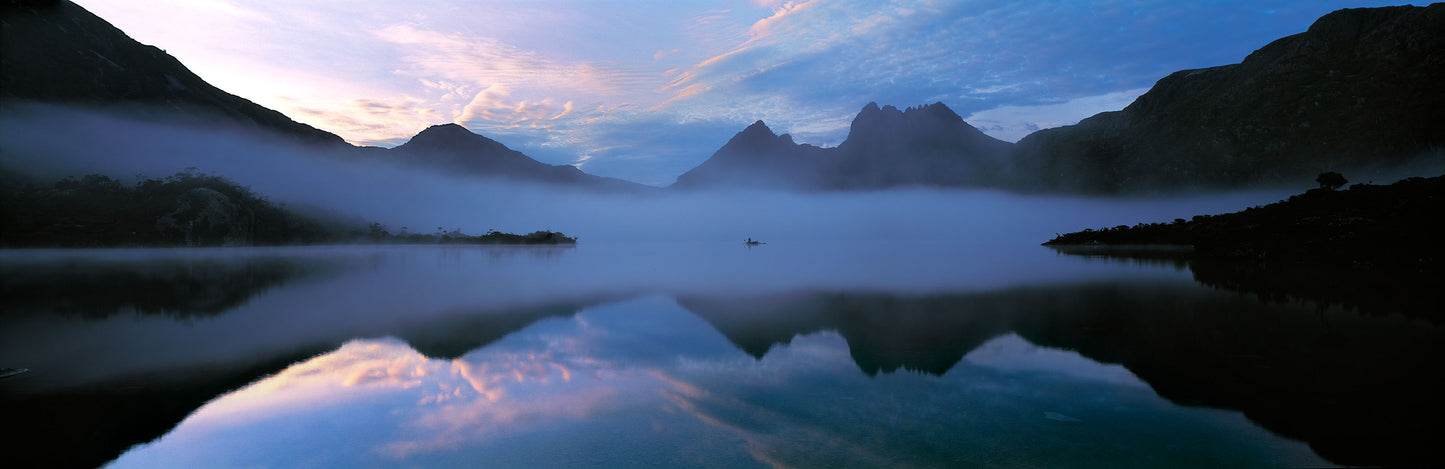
<point x="1331" y="180"/>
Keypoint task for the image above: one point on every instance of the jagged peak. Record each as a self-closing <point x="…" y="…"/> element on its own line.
<point x="941" y="110"/>
<point x="758" y="128"/>
<point x="872" y="116"/>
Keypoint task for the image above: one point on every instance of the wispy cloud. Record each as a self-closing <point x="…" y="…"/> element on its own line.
<point x="485" y="60"/>
<point x="378" y="122"/>
<point x="590" y="82"/>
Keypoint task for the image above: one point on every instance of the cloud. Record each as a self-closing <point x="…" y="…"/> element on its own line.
<point x="377" y="122"/>
<point x="803" y="66"/>
<point x="222" y="6"/>
<point x="524" y="96"/>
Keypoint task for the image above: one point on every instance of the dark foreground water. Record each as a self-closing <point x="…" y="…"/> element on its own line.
<point x="684" y="355"/>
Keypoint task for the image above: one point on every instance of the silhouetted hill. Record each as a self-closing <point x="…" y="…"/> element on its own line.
<point x="1391" y="228"/>
<point x="57" y="52"/>
<point x="1359" y="91"/>
<point x="185" y="209"/>
<point x="454" y="149"/>
<point x="756" y="157"/>
<point x="886" y="147"/>
<point x="188" y="209"/>
<point x="927" y="145"/>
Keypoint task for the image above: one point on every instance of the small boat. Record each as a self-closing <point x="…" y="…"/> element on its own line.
<point x="751" y="242"/>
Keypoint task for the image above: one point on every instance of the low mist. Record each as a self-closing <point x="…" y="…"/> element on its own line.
<point x="48" y="143"/>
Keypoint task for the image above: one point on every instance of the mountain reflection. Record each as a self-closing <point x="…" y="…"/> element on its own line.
<point x="1369" y="291"/>
<point x="1360" y="389"/>
<point x="884" y="332"/>
<point x="685" y="355"/>
<point x="123" y="344"/>
<point x="592" y="390"/>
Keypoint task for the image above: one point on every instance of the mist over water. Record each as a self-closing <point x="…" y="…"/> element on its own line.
<point x="929" y="316"/>
<point x="49" y="143"/>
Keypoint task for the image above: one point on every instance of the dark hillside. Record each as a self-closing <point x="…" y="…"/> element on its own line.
<point x="57" y="52"/>
<point x="1359" y="91"/>
<point x="1394" y="227"/>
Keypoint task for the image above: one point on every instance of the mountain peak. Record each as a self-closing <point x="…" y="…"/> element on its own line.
<point x="890" y="117"/>
<point x="886" y="146"/>
<point x="449" y="136"/>
<point x="455" y="139"/>
<point x="448" y="129"/>
<point x="941" y="110"/>
<point x="758" y="127"/>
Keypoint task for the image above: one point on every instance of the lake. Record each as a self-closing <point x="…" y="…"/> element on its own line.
<point x="825" y="354"/>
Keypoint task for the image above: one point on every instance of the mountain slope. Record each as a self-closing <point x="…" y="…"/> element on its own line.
<point x="927" y="145"/>
<point x="57" y="52"/>
<point x="756" y="157"/>
<point x="1391" y="228"/>
<point x="454" y="149"/>
<point x="886" y="147"/>
<point x="1359" y="90"/>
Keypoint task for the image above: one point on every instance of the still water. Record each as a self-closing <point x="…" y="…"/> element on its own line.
<point x="683" y="355"/>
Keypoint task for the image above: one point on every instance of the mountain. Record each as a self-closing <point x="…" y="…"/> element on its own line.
<point x="57" y="52"/>
<point x="927" y="145"/>
<point x="1390" y="229"/>
<point x="1360" y="91"/>
<point x="454" y="149"/>
<point x="886" y="147"/>
<point x="756" y="157"/>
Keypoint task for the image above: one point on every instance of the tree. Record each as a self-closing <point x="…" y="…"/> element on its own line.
<point x="1331" y="180"/>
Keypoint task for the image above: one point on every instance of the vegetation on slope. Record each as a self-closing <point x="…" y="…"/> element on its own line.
<point x="1390" y="227"/>
<point x="189" y="208"/>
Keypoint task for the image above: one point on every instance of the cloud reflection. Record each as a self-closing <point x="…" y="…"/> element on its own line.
<point x="644" y="382"/>
<point x="433" y="404"/>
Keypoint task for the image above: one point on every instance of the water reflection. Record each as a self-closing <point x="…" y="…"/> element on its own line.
<point x="646" y="383"/>
<point x="1369" y="291"/>
<point x="1360" y="389"/>
<point x="127" y="370"/>
<point x="682" y="355"/>
<point x="185" y="283"/>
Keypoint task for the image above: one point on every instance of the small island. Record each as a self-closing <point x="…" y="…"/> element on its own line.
<point x="193" y="209"/>
<point x="378" y="234"/>
<point x="1391" y="227"/>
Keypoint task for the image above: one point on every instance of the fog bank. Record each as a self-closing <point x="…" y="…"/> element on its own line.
<point x="49" y="142"/>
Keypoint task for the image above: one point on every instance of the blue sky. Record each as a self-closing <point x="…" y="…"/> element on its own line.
<point x="645" y="90"/>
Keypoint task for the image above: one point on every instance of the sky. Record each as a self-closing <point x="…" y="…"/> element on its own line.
<point x="645" y="90"/>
